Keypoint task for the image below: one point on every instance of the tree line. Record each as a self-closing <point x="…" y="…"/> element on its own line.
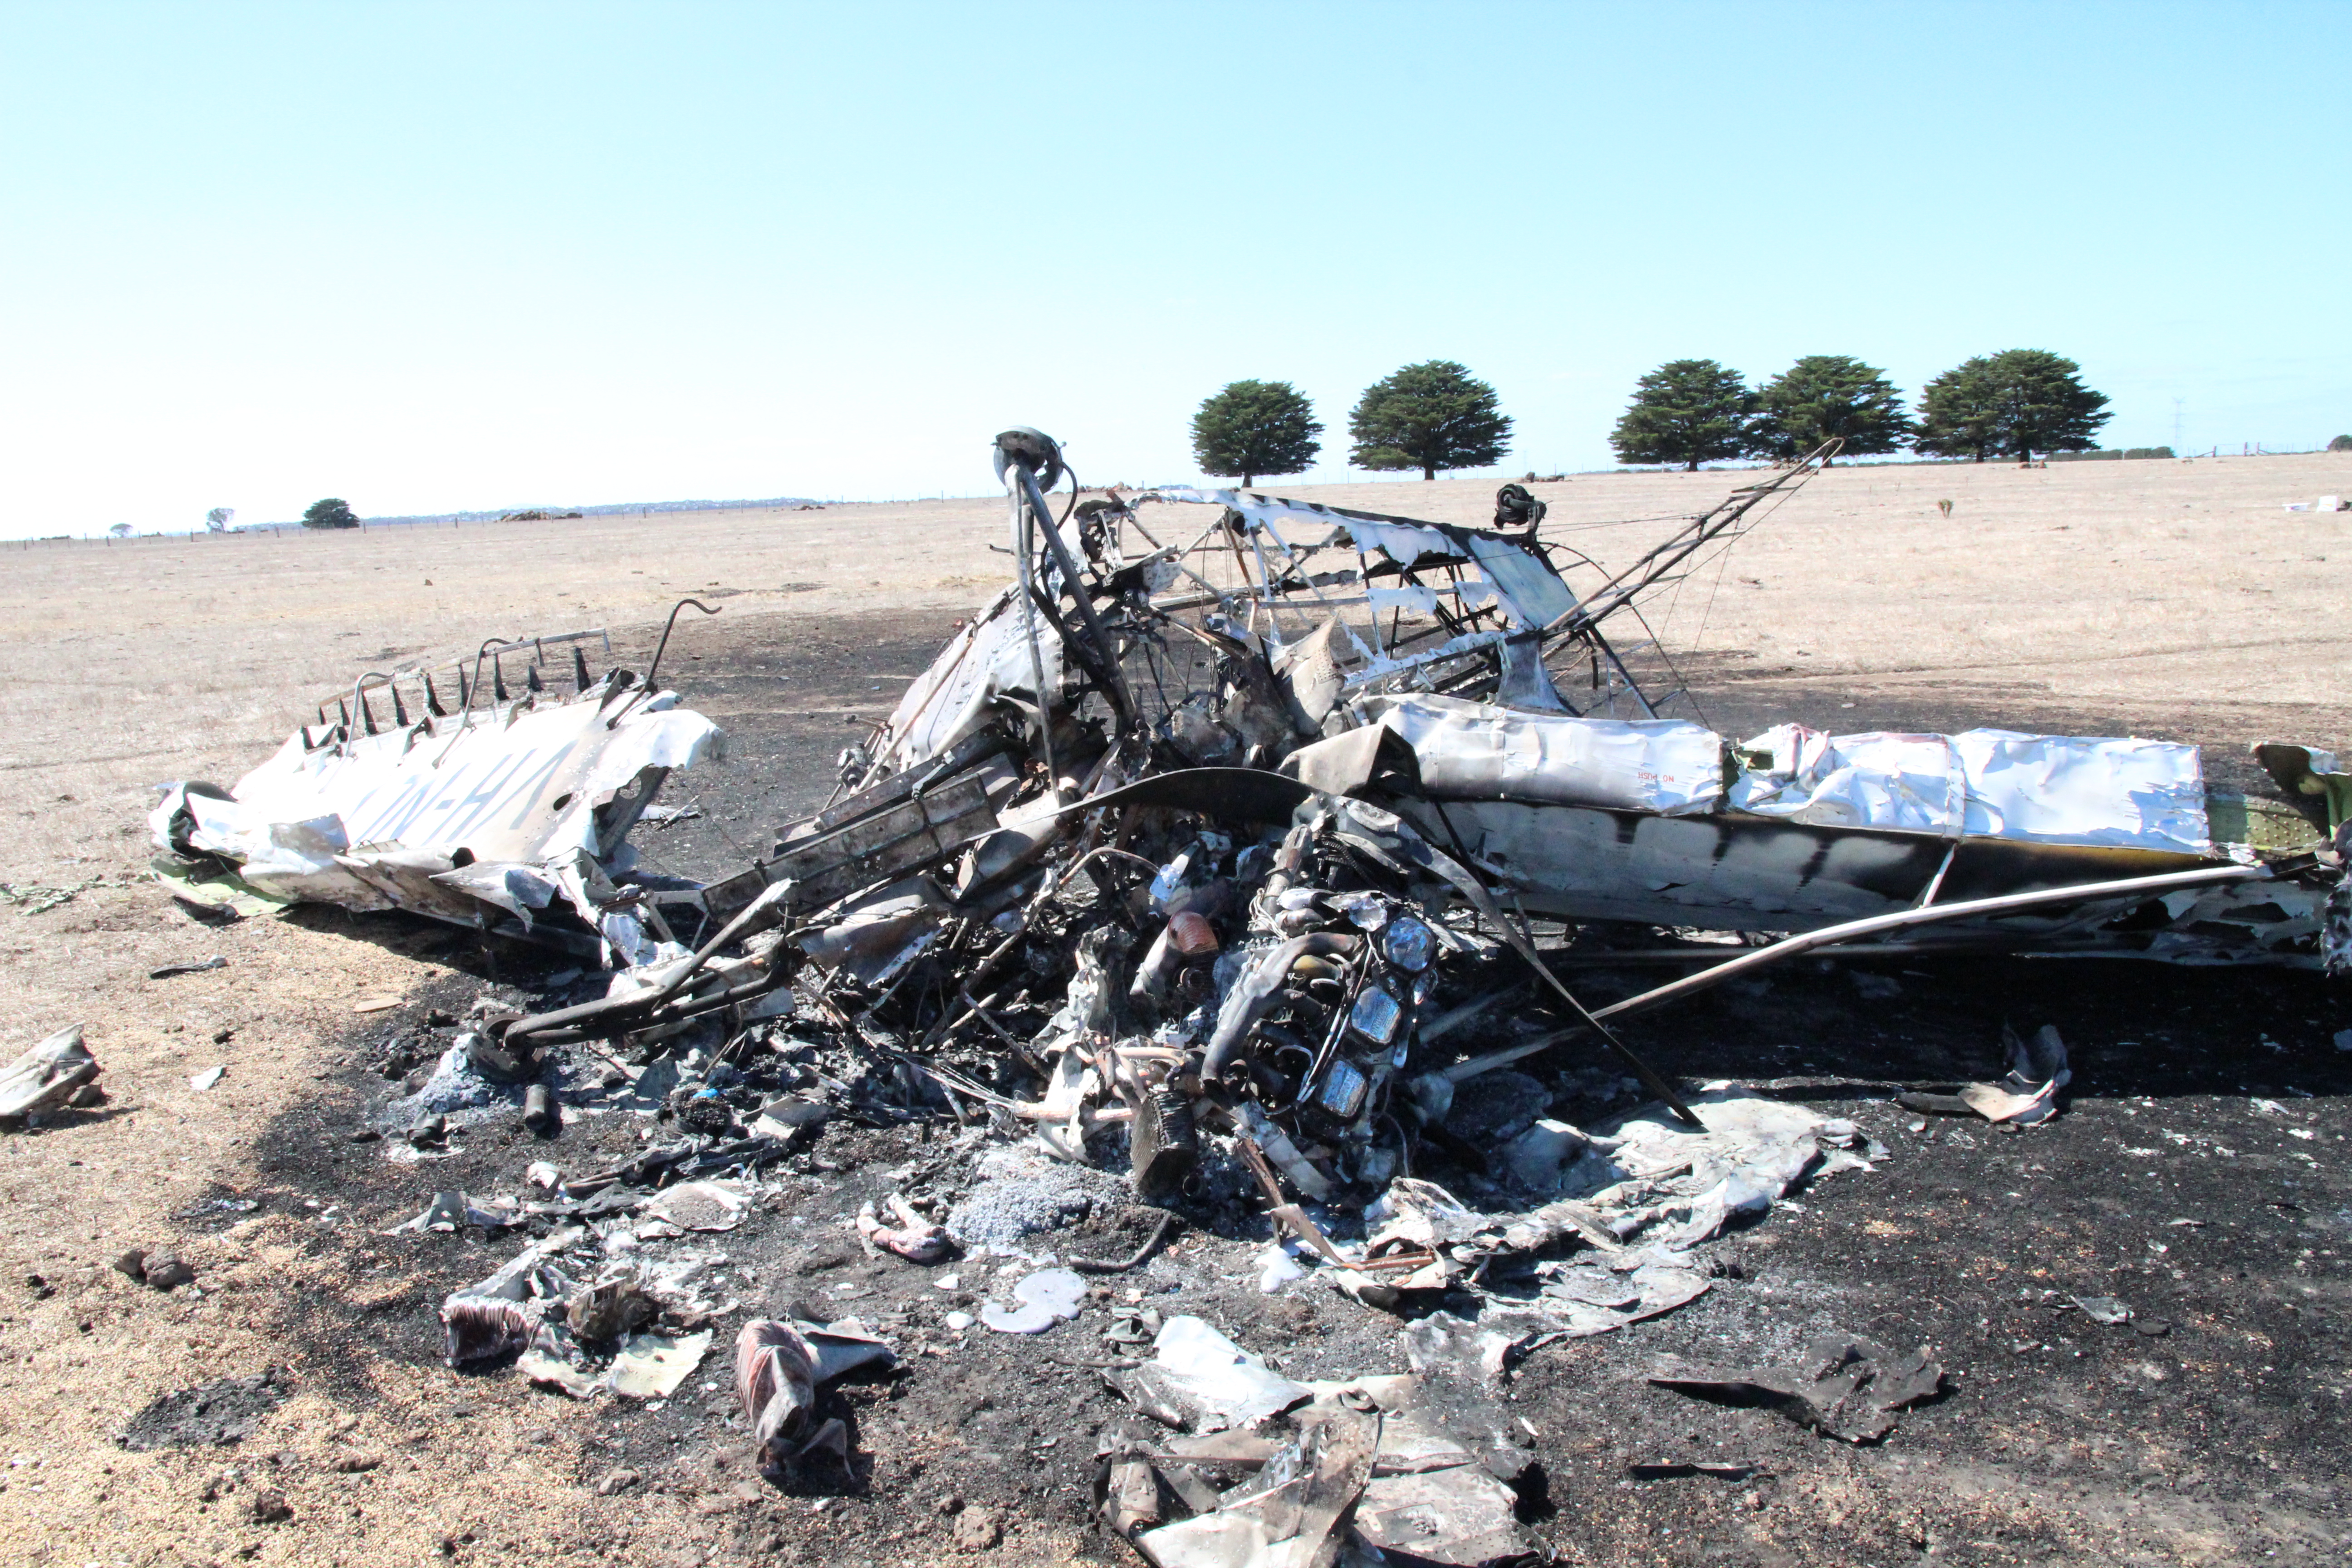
<point x="2013" y="404"/>
<point x="1436" y="416"/>
<point x="1430" y="415"/>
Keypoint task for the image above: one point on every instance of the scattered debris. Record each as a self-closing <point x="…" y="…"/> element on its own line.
<point x="40" y="899"/>
<point x="48" y="1076"/>
<point x="1672" y="1470"/>
<point x="205" y="914"/>
<point x="781" y="1369"/>
<point x="1364" y="1467"/>
<point x="201" y="967"/>
<point x="2027" y="1096"/>
<point x="212" y="896"/>
<point x="453" y="1211"/>
<point x="1049" y="1296"/>
<point x="1200" y="1380"/>
<point x="651" y="1366"/>
<point x="2101" y="1309"/>
<point x="1293" y="1518"/>
<point x="206" y="1078"/>
<point x="615" y="1305"/>
<point x="699" y="1205"/>
<point x="1845" y="1387"/>
<point x="504" y="1313"/>
<point x="915" y="1239"/>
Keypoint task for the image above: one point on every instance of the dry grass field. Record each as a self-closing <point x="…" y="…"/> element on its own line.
<point x="2159" y="598"/>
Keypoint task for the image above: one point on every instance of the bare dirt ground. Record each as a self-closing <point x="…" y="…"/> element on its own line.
<point x="2177" y="600"/>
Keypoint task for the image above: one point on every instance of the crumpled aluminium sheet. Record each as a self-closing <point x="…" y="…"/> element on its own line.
<point x="1986" y="783"/>
<point x="1374" y="1471"/>
<point x="1200" y="1380"/>
<point x="988" y="658"/>
<point x="1651" y="1178"/>
<point x="1475" y="750"/>
<point x="1645" y="1191"/>
<point x="385" y="821"/>
<point x="45" y="1074"/>
<point x="1849" y="1388"/>
<point x="2051" y="789"/>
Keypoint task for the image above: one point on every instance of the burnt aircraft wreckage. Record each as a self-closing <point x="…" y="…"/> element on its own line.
<point x="1254" y="801"/>
<point x="1243" y="842"/>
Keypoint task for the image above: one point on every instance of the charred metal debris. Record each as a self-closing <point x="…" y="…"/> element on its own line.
<point x="1229" y="817"/>
<point x="1234" y="842"/>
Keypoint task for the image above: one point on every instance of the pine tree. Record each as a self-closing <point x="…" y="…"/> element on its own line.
<point x="2050" y="409"/>
<point x="1430" y="415"/>
<point x="2018" y="402"/>
<point x="1688" y="411"/>
<point x="1255" y="427"/>
<point x="1825" y="396"/>
<point x="1959" y="412"/>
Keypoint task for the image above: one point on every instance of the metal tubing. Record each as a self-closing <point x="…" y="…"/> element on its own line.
<point x="1615" y="593"/>
<point x="654" y="668"/>
<point x="1021" y="560"/>
<point x="1103" y="645"/>
<point x="567" y="1018"/>
<point x="1805" y="942"/>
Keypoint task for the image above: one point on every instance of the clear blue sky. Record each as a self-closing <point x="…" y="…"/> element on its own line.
<point x="437" y="257"/>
